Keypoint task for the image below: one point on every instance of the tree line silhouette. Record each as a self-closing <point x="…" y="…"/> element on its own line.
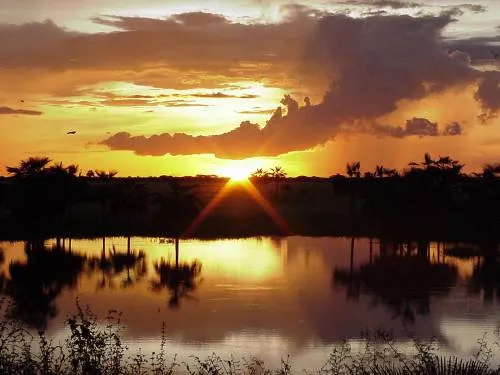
<point x="429" y="197"/>
<point x="426" y="197"/>
<point x="39" y="198"/>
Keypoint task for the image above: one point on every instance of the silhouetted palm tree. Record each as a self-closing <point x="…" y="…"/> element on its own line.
<point x="278" y="174"/>
<point x="33" y="166"/>
<point x="379" y="171"/>
<point x="32" y="196"/>
<point x="65" y="188"/>
<point x="491" y="171"/>
<point x="353" y="169"/>
<point x="105" y="175"/>
<point x="440" y="170"/>
<point x="259" y="173"/>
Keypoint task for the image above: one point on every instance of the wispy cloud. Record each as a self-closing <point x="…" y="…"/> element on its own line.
<point x="220" y="95"/>
<point x="182" y="103"/>
<point x="12" y="111"/>
<point x="258" y="111"/>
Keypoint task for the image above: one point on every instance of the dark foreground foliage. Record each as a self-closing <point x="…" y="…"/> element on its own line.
<point x="93" y="348"/>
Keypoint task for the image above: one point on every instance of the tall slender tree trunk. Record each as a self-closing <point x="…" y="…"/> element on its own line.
<point x="371" y="250"/>
<point x="352" y="255"/>
<point x="69" y="221"/>
<point x="176" y="252"/>
<point x="103" y="216"/>
<point x="128" y="234"/>
<point x="351" y="205"/>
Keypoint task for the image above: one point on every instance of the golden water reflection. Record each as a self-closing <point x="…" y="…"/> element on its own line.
<point x="265" y="296"/>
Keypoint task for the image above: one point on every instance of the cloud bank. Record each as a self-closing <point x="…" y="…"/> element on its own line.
<point x="372" y="64"/>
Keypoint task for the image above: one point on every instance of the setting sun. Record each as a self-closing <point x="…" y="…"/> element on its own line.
<point x="240" y="170"/>
<point x="239" y="174"/>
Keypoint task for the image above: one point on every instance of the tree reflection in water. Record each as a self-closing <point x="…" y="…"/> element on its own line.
<point x="34" y="284"/>
<point x="3" y="277"/>
<point x="402" y="280"/>
<point x="179" y="278"/>
<point x="486" y="274"/>
<point x="130" y="266"/>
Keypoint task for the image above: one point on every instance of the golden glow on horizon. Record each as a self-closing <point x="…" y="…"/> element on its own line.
<point x="239" y="170"/>
<point x="239" y="174"/>
<point x="183" y="93"/>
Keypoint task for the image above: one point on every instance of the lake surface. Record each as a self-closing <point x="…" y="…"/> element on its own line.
<point x="264" y="296"/>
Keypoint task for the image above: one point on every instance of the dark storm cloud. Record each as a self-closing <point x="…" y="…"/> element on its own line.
<point x="176" y="51"/>
<point x="373" y="63"/>
<point x="180" y="51"/>
<point x="11" y="111"/>
<point x="420" y="127"/>
<point x="479" y="49"/>
<point x="453" y="128"/>
<point x="488" y="94"/>
<point x="186" y="41"/>
<point x="459" y="10"/>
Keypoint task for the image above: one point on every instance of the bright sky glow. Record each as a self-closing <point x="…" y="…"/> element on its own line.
<point x="190" y="88"/>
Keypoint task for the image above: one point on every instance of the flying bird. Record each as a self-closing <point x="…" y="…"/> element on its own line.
<point x="71" y="132"/>
<point x="22" y="100"/>
<point x="495" y="54"/>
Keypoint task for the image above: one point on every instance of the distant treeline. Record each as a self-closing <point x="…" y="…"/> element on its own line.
<point x="433" y="198"/>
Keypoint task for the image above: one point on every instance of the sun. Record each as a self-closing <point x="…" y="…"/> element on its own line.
<point x="239" y="170"/>
<point x="239" y="174"/>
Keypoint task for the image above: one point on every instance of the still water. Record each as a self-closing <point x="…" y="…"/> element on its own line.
<point x="264" y="296"/>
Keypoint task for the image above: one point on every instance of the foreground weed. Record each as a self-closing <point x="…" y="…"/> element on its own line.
<point x="97" y="349"/>
<point x="92" y="350"/>
<point x="159" y="361"/>
<point x="51" y="360"/>
<point x="215" y="365"/>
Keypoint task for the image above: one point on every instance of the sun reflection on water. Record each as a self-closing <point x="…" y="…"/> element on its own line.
<point x="270" y="296"/>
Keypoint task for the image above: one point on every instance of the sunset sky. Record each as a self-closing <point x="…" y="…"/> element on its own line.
<point x="178" y="87"/>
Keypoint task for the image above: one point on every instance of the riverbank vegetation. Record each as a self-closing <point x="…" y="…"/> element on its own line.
<point x="96" y="347"/>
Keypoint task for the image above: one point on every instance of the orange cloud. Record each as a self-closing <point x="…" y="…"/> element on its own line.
<point x="376" y="63"/>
